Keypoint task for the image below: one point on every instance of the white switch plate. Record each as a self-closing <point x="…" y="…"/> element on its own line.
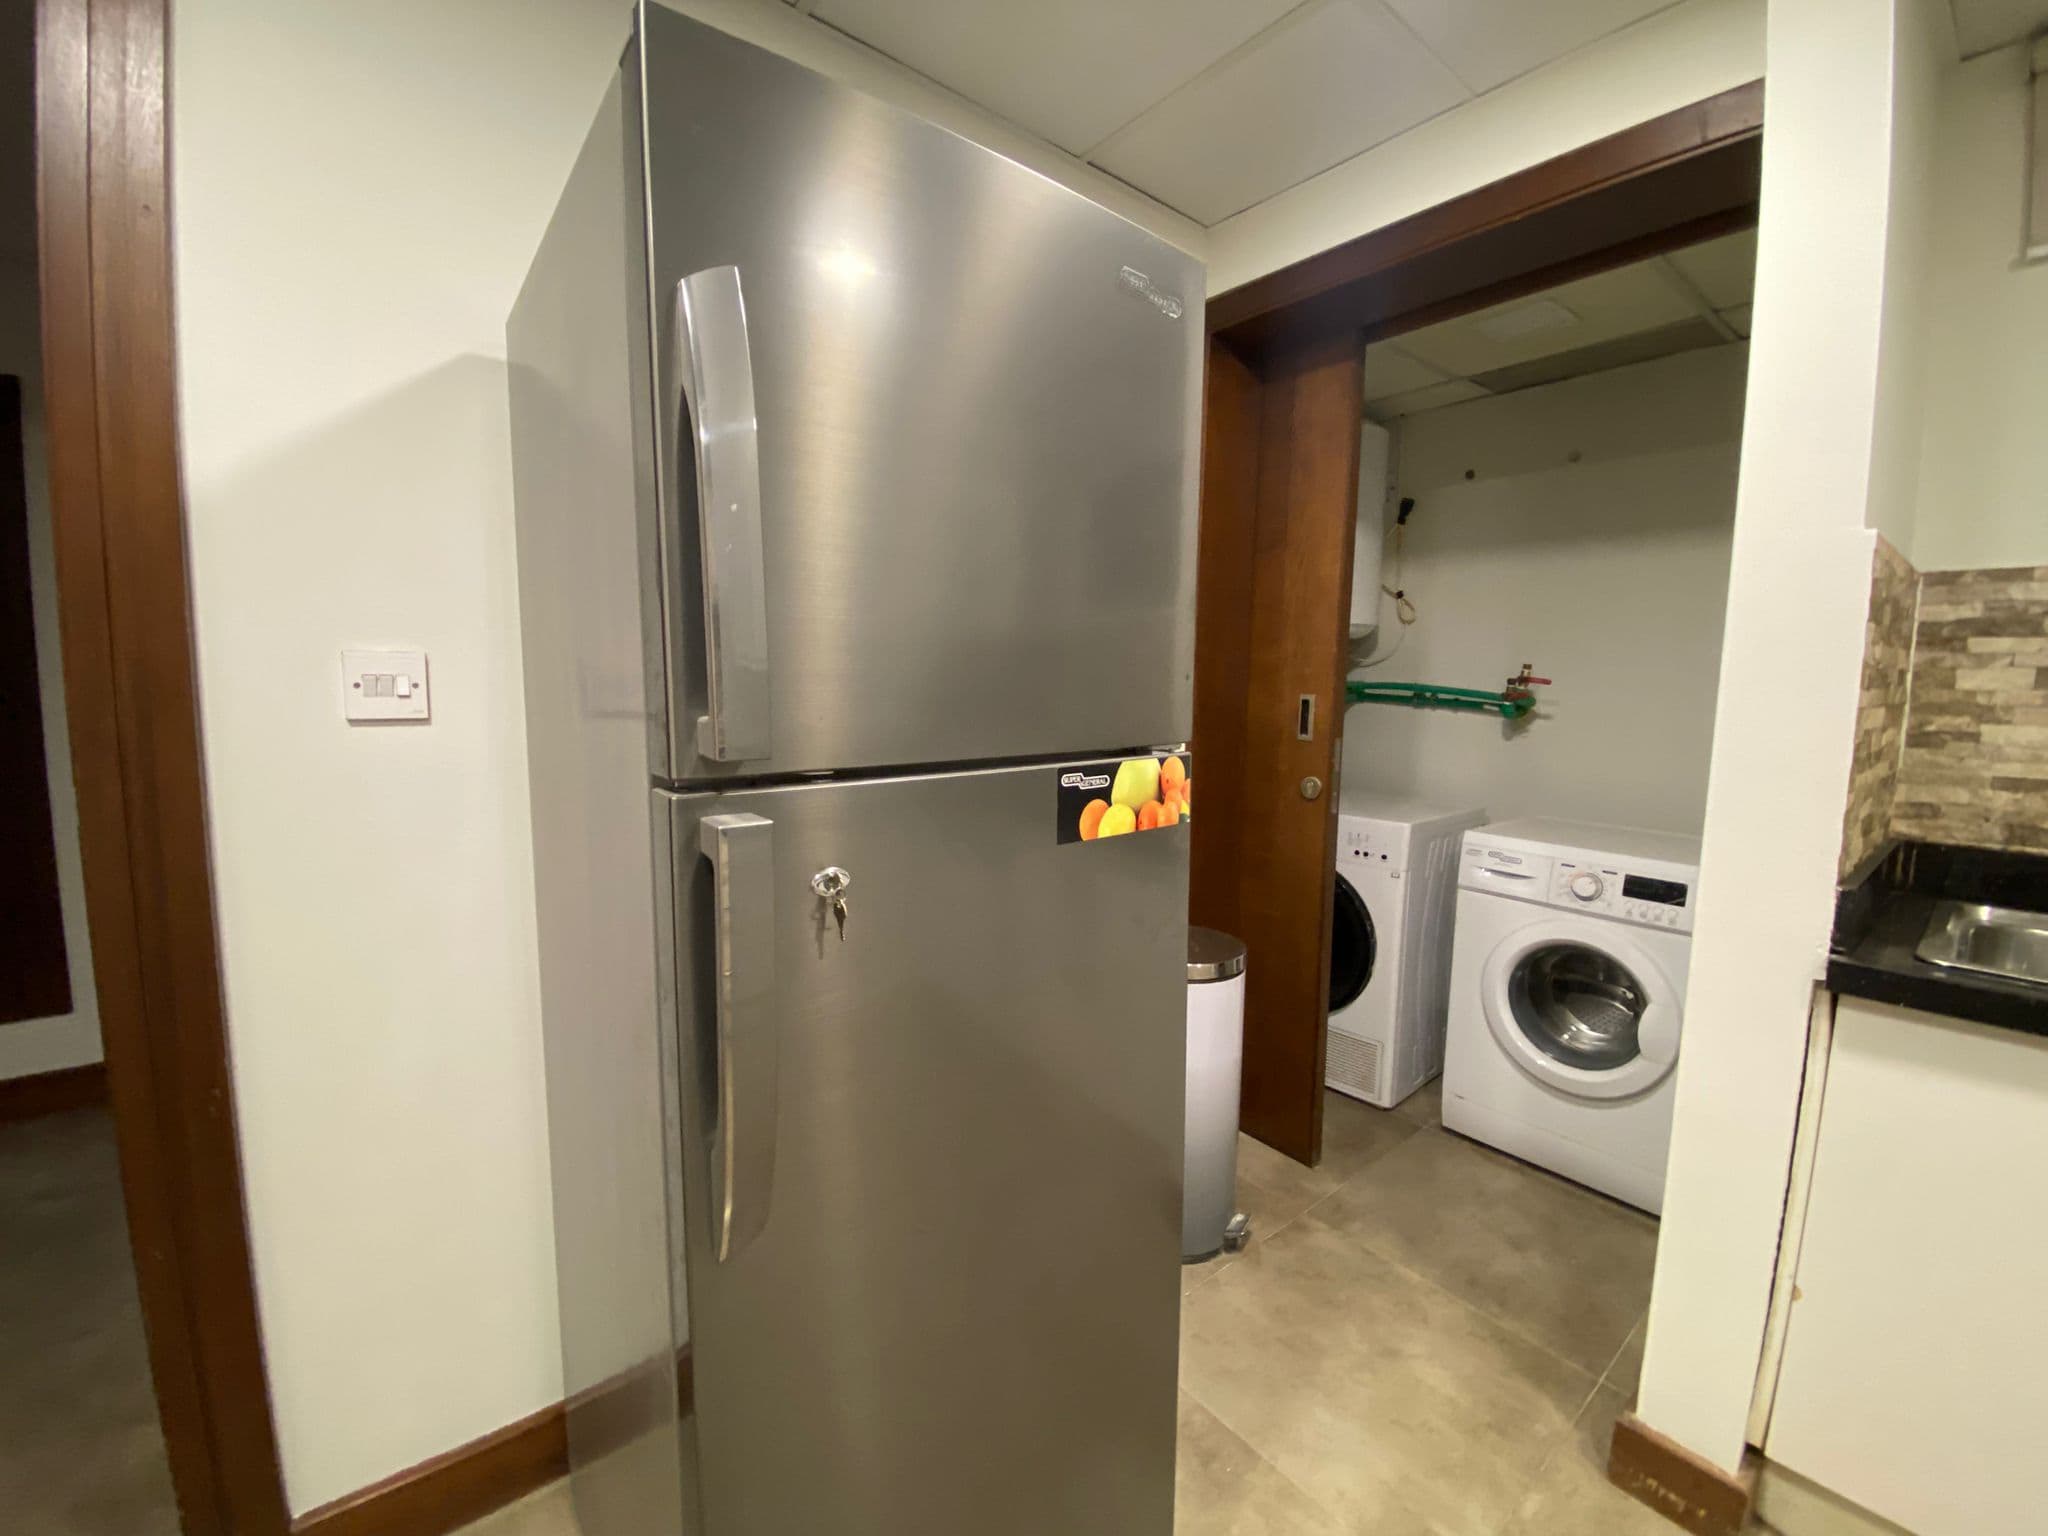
<point x="384" y="685"/>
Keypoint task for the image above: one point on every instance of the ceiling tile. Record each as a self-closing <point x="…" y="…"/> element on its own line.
<point x="1488" y="42"/>
<point x="1724" y="270"/>
<point x="1611" y="304"/>
<point x="1072" y="71"/>
<point x="1335" y="78"/>
<point x="1450" y="392"/>
<point x="1982" y="25"/>
<point x="1390" y="371"/>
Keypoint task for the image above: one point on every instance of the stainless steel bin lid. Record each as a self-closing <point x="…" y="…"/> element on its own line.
<point x="1213" y="956"/>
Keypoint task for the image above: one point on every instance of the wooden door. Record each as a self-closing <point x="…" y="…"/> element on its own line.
<point x="1279" y="494"/>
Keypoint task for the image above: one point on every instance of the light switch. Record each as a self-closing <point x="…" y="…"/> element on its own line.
<point x="384" y="685"/>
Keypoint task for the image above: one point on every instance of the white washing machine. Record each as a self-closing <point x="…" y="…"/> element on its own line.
<point x="1567" y="990"/>
<point x="1390" y="945"/>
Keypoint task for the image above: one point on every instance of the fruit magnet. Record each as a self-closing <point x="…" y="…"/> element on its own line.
<point x="1138" y="794"/>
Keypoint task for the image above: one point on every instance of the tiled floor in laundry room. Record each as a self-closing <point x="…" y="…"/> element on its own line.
<point x="1425" y="1338"/>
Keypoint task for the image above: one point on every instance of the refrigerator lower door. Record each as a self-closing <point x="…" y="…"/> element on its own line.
<point x="926" y="429"/>
<point x="932" y="1169"/>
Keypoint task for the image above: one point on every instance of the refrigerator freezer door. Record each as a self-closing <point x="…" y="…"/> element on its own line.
<point x="976" y="396"/>
<point x="960" y="1310"/>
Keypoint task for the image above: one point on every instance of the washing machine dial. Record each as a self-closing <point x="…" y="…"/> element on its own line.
<point x="1587" y="886"/>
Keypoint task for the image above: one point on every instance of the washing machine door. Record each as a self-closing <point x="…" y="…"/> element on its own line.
<point x="1583" y="1008"/>
<point x="1354" y="946"/>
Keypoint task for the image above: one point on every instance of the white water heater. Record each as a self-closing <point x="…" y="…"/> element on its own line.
<point x="1375" y="486"/>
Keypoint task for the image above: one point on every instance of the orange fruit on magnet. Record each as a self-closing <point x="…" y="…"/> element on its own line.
<point x="1172" y="772"/>
<point x="1149" y="815"/>
<point x="1091" y="819"/>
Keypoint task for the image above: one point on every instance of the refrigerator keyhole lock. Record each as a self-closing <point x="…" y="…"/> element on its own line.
<point x="831" y="884"/>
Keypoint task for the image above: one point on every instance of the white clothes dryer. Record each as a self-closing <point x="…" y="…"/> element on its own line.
<point x="1390" y="944"/>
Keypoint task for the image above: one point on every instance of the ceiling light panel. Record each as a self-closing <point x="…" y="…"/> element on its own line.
<point x="1334" y="79"/>
<point x="1071" y="71"/>
<point x="1488" y="42"/>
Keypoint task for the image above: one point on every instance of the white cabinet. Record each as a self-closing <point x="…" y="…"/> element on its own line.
<point x="1915" y="1373"/>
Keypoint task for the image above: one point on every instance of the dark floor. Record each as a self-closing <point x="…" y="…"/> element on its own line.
<point x="80" y="1451"/>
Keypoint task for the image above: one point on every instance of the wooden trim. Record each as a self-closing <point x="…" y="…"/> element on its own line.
<point x="446" y="1492"/>
<point x="119" y="527"/>
<point x="50" y="1093"/>
<point x="1223" y="600"/>
<point x="1537" y="225"/>
<point x="1688" y="1490"/>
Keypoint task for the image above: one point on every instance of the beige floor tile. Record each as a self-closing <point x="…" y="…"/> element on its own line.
<point x="80" y="1448"/>
<point x="1222" y="1487"/>
<point x="1425" y="1105"/>
<point x="1273" y="1189"/>
<point x="1571" y="1495"/>
<point x="1391" y="1402"/>
<point x="1561" y="1265"/>
<point x="1625" y="1374"/>
<point x="545" y="1512"/>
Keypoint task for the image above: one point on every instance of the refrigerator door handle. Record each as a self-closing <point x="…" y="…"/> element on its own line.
<point x="714" y="371"/>
<point x="741" y="849"/>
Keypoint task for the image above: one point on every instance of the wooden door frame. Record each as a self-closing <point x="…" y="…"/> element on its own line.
<point x="118" y="520"/>
<point x="1278" y="509"/>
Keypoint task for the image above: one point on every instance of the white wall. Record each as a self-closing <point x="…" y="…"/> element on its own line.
<point x="1923" y="48"/>
<point x="1678" y="56"/>
<point x="1812" y="477"/>
<point x="1593" y="542"/>
<point x="71" y="1039"/>
<point x="358" y="186"/>
<point x="1983" y="467"/>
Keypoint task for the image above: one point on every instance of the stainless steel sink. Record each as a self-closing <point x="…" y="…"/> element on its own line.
<point x="1998" y="941"/>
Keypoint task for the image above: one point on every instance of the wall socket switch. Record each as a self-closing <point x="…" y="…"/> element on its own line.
<point x="384" y="685"/>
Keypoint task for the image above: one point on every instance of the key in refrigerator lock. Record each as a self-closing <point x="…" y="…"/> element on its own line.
<point x="831" y="884"/>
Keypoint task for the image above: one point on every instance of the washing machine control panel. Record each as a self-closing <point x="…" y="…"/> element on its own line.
<point x="1617" y="891"/>
<point x="1585" y="887"/>
<point x="1654" y="892"/>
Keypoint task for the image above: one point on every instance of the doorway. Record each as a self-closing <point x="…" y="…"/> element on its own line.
<point x="1285" y="395"/>
<point x="1410" y="491"/>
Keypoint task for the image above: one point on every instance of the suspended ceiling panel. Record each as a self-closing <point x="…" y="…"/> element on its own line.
<point x="1211" y="106"/>
<point x="1580" y="314"/>
<point x="1391" y="371"/>
<point x="1486" y="43"/>
<point x="1982" y="25"/>
<point x="1723" y="270"/>
<point x="1335" y="78"/>
<point x="1072" y="71"/>
<point x="1697" y="297"/>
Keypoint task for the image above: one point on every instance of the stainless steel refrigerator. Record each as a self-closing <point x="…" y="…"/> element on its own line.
<point x="855" y="470"/>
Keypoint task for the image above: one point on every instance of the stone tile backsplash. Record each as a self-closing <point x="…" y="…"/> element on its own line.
<point x="1881" y="708"/>
<point x="1975" y="765"/>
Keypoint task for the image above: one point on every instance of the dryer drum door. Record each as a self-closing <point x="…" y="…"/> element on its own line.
<point x="1354" y="946"/>
<point x="1587" y="1012"/>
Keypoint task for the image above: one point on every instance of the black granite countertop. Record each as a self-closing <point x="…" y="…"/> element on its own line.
<point x="1881" y="914"/>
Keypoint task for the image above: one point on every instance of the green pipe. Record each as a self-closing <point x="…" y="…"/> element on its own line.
<point x="1432" y="695"/>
